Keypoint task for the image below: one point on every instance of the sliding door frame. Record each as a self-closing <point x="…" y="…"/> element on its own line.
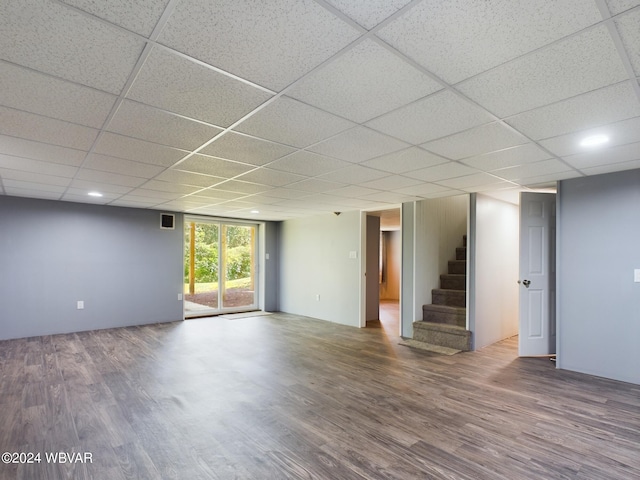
<point x="256" y="267"/>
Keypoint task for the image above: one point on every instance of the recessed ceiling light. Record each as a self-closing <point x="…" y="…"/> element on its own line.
<point x="594" y="141"/>
<point x="255" y="211"/>
<point x="95" y="194"/>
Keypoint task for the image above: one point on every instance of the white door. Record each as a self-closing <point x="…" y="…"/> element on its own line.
<point x="537" y="334"/>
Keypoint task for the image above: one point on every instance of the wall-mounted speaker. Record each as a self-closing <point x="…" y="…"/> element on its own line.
<point x="167" y="221"/>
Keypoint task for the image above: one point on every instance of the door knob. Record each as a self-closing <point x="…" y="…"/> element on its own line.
<point x="526" y="283"/>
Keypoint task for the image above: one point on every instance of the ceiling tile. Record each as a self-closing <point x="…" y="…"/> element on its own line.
<point x="630" y="34"/>
<point x="110" y="178"/>
<point x="213" y="166"/>
<point x="188" y="178"/>
<point x="163" y="189"/>
<point x="537" y="182"/>
<point x="178" y="85"/>
<point x="576" y="65"/>
<point x="307" y="163"/>
<point x="46" y="36"/>
<point x="271" y="45"/>
<point x="274" y="178"/>
<point x="358" y="144"/>
<point x="477" y="179"/>
<point x="26" y="176"/>
<point x="32" y="193"/>
<point x="10" y="185"/>
<point x="452" y="39"/>
<point x="422" y="189"/>
<point x="216" y="196"/>
<point x="391" y="197"/>
<point x="614" y="167"/>
<point x="35" y="92"/>
<point x="293" y="123"/>
<point x="619" y="133"/>
<point x="137" y="150"/>
<point x="29" y="166"/>
<point x="392" y="182"/>
<point x="238" y="186"/>
<point x="300" y="189"/>
<point x="488" y="187"/>
<point x="368" y="13"/>
<point x="81" y="197"/>
<point x="154" y="196"/>
<point x="509" y="157"/>
<point x="242" y="148"/>
<point x="442" y="172"/>
<point x="276" y="195"/>
<point x="133" y="202"/>
<point x="544" y="167"/>
<point x="40" y="151"/>
<point x="596" y="158"/>
<point x="363" y="83"/>
<point x="352" y="191"/>
<point x="105" y="163"/>
<point x="404" y="161"/>
<point x="83" y="187"/>
<point x="599" y="107"/>
<point x="354" y="174"/>
<point x="619" y="6"/>
<point x="140" y="16"/>
<point x="433" y="117"/>
<point x="154" y="125"/>
<point x="21" y="124"/>
<point x="483" y="139"/>
<point x="262" y="201"/>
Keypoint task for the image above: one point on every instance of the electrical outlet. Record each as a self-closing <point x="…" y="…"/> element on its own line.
<point x="318" y="297"/>
<point x="179" y="296"/>
<point x="80" y="304"/>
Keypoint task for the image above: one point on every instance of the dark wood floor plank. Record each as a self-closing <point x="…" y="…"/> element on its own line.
<point x="284" y="396"/>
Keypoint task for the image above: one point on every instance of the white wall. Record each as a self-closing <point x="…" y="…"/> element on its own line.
<point x="493" y="270"/>
<point x="598" y="303"/>
<point x="314" y="260"/>
<point x="439" y="226"/>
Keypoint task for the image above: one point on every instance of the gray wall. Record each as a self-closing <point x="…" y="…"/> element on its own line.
<point x="314" y="260"/>
<point x="407" y="309"/>
<point x="372" y="275"/>
<point x="598" y="307"/>
<point x="271" y="266"/>
<point x="117" y="260"/>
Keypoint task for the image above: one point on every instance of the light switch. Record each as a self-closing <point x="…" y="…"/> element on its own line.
<point x="636" y="275"/>
<point x="353" y="254"/>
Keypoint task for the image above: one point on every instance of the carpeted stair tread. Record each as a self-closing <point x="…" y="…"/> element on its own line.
<point x="409" y="342"/>
<point x="445" y="309"/>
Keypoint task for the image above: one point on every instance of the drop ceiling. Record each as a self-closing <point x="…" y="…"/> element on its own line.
<point x="287" y="108"/>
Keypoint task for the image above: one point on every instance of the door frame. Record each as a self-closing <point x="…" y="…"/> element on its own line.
<point x="257" y="264"/>
<point x="363" y="265"/>
<point x="552" y="274"/>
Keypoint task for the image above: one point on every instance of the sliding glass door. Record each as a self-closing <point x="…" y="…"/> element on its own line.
<point x="219" y="267"/>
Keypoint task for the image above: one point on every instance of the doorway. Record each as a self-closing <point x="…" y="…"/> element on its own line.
<point x="219" y="267"/>
<point x="383" y="256"/>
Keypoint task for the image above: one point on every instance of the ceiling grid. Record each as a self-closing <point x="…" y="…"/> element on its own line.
<point x="298" y="107"/>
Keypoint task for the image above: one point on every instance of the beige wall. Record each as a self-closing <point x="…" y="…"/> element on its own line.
<point x="390" y="288"/>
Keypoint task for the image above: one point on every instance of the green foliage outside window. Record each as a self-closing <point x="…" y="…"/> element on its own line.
<point x="238" y="261"/>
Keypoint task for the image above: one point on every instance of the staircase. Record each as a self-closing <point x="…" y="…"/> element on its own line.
<point x="444" y="321"/>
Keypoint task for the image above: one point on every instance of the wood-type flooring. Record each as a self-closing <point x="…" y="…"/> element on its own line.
<point x="283" y="396"/>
